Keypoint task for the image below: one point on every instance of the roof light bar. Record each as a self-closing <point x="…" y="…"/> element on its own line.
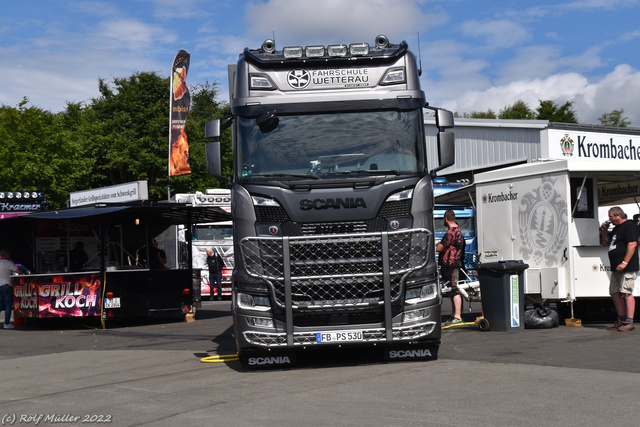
<point x="314" y="51"/>
<point x="359" y="49"/>
<point x="337" y="50"/>
<point x="292" y="52"/>
<point x="20" y="195"/>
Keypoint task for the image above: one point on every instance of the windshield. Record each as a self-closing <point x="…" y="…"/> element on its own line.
<point x="213" y="232"/>
<point x="330" y="145"/>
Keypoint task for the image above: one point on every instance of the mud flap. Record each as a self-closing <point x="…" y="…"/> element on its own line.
<point x="412" y="352"/>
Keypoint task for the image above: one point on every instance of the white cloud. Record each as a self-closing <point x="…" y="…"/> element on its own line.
<point x="135" y="35"/>
<point x="332" y="21"/>
<point x="617" y="90"/>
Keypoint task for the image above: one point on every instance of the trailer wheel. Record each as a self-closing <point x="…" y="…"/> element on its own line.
<point x="484" y="325"/>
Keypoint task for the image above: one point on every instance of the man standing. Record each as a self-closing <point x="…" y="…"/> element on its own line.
<point x="215" y="264"/>
<point x="450" y="250"/>
<point x="623" y="259"/>
<point x="7" y="268"/>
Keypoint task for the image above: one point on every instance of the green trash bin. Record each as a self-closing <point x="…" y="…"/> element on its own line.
<point x="502" y="294"/>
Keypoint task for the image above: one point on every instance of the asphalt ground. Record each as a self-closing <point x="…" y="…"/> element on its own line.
<point x="154" y="373"/>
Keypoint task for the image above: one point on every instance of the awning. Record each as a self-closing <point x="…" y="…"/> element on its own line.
<point x="465" y="196"/>
<point x="73" y="212"/>
<point x="165" y="212"/>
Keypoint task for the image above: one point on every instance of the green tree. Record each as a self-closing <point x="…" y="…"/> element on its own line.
<point x="614" y="118"/>
<point x="42" y="150"/>
<point x="518" y="111"/>
<point x="489" y="114"/>
<point x="549" y="110"/>
<point x="131" y="129"/>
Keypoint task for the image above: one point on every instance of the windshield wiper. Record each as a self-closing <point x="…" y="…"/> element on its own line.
<point x="365" y="172"/>
<point x="285" y="175"/>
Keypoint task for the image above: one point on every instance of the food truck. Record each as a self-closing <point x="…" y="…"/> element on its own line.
<point x="546" y="212"/>
<point x="112" y="283"/>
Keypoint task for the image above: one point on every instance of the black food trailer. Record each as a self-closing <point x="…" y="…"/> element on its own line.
<point x="115" y="278"/>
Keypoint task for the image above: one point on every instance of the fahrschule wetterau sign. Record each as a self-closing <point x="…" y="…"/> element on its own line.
<point x="128" y="192"/>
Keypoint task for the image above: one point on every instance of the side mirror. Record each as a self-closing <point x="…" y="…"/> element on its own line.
<point x="446" y="140"/>
<point x="212" y="129"/>
<point x="214" y="159"/>
<point x="446" y="149"/>
<point x="444" y="119"/>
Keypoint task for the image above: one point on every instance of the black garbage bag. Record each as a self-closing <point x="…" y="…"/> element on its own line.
<point x="541" y="316"/>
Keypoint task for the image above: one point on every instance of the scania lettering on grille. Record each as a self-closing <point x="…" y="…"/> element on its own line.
<point x="298" y="79"/>
<point x="346" y="203"/>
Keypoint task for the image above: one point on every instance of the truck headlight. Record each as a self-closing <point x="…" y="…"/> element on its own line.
<point x="260" y="322"/>
<point x="253" y="302"/>
<point x="422" y="293"/>
<point x="413" y="315"/>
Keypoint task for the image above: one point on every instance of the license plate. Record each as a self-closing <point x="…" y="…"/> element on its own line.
<point x="112" y="302"/>
<point x="339" y="336"/>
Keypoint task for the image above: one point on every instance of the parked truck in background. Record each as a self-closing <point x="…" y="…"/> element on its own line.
<point x="217" y="236"/>
<point x="466" y="218"/>
<point x="332" y="202"/>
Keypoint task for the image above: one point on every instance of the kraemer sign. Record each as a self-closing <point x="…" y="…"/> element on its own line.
<point x="128" y="192"/>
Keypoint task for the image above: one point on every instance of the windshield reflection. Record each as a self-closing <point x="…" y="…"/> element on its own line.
<point x="331" y="145"/>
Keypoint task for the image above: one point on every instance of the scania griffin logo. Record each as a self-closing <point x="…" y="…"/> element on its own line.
<point x="298" y="79"/>
<point x="348" y="203"/>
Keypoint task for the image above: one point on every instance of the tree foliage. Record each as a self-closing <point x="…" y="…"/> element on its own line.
<point x="518" y="111"/>
<point x="120" y="136"/>
<point x="549" y="110"/>
<point x="489" y="114"/>
<point x="131" y="132"/>
<point x="614" y="118"/>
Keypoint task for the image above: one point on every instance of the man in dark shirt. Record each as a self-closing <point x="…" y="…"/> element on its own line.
<point x="215" y="264"/>
<point x="623" y="260"/>
<point x="450" y="251"/>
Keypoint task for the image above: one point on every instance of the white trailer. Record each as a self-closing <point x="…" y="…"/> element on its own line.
<point x="546" y="213"/>
<point x="217" y="236"/>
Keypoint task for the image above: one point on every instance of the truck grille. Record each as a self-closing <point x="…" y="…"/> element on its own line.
<point x="336" y="273"/>
<point x="276" y="214"/>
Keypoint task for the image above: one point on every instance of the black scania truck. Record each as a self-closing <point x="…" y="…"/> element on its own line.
<point x="332" y="201"/>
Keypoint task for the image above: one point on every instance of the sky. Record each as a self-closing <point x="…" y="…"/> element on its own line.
<point x="475" y="55"/>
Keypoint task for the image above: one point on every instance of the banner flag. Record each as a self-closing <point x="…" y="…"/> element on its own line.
<point x="179" y="108"/>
